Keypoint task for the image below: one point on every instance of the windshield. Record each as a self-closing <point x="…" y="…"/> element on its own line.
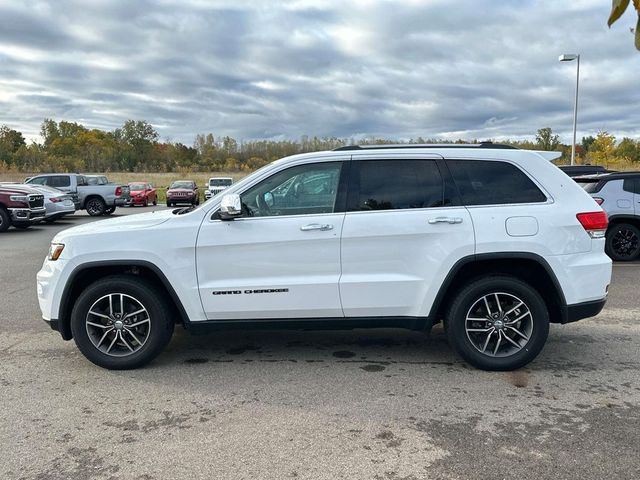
<point x="184" y="184"/>
<point x="136" y="186"/>
<point x="220" y="182"/>
<point x="589" y="187"/>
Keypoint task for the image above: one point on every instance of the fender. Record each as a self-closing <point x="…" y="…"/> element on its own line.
<point x="442" y="292"/>
<point x="63" y="323"/>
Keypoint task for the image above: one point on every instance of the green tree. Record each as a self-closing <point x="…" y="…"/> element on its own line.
<point x="547" y="140"/>
<point x="628" y="149"/>
<point x="587" y="142"/>
<point x="10" y="141"/>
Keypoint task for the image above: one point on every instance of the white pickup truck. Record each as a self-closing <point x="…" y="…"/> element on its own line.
<point x="92" y="193"/>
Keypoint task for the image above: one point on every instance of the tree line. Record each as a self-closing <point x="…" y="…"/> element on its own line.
<point x="135" y="147"/>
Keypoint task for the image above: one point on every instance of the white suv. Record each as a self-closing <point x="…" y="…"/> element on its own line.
<point x="496" y="242"/>
<point x="217" y="185"/>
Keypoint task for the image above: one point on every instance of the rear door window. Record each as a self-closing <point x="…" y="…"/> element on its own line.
<point x="395" y="184"/>
<point x="57" y="181"/>
<point x="483" y="182"/>
<point x="631" y="185"/>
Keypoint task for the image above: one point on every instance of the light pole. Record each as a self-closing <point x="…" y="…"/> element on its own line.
<point x="569" y="57"/>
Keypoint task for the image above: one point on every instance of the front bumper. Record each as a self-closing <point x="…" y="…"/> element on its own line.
<point x="185" y="199"/>
<point x="27" y="215"/>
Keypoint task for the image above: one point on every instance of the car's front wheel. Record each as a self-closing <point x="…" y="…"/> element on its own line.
<point x="121" y="322"/>
<point x="5" y="221"/>
<point x="498" y="323"/>
<point x="623" y="242"/>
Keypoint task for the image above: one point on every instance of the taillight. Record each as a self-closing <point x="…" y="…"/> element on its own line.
<point x="599" y="200"/>
<point x="118" y="191"/>
<point x="595" y="223"/>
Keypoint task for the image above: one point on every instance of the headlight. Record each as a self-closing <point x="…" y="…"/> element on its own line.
<point x="55" y="250"/>
<point x="19" y="198"/>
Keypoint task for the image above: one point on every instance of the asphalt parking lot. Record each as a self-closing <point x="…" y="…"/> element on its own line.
<point x="385" y="404"/>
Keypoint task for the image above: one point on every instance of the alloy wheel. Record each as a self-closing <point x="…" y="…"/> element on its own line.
<point x="118" y="324"/>
<point x="499" y="324"/>
<point x="625" y="243"/>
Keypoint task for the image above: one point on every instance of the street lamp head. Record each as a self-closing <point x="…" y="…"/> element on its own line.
<point x="568" y="57"/>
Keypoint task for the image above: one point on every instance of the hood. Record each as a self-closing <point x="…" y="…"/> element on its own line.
<point x="180" y="190"/>
<point x="125" y="225"/>
<point x="18" y="190"/>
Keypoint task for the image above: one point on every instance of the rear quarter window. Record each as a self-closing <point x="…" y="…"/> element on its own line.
<point x="483" y="182"/>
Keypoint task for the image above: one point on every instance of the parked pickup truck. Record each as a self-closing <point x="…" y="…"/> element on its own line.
<point x="20" y="206"/>
<point x="96" y="197"/>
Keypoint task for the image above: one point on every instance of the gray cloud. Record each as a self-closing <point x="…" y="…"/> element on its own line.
<point x="471" y="69"/>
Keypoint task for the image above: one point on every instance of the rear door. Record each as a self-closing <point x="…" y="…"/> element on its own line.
<point x="631" y="186"/>
<point x="403" y="231"/>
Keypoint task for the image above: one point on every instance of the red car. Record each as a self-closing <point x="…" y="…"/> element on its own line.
<point x="183" y="191"/>
<point x="142" y="193"/>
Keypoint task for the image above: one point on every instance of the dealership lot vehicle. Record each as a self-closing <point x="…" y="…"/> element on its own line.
<point x="94" y="193"/>
<point x="20" y="206"/>
<point x="56" y="202"/>
<point x="266" y="393"/>
<point x="143" y="193"/>
<point x="183" y="192"/>
<point x="580" y="170"/>
<point x="491" y="240"/>
<point x="217" y="185"/>
<point x="619" y="195"/>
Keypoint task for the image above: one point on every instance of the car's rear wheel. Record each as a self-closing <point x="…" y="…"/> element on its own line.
<point x="95" y="207"/>
<point x="498" y="323"/>
<point x="623" y="242"/>
<point x="5" y="221"/>
<point x="121" y="322"/>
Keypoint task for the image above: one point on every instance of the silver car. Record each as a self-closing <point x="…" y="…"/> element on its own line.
<point x="56" y="202"/>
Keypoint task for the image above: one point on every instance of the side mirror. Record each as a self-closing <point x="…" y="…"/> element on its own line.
<point x="230" y="207"/>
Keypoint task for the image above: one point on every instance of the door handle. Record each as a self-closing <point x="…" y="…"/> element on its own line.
<point x="451" y="220"/>
<point x="316" y="226"/>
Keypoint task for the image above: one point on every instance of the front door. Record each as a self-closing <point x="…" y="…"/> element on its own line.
<point x="281" y="259"/>
<point x="402" y="234"/>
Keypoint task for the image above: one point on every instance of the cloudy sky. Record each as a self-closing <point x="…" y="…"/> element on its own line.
<point x="262" y="69"/>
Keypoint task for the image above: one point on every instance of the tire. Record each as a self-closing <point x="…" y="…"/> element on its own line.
<point x="623" y="242"/>
<point x="168" y="203"/>
<point x="95" y="207"/>
<point x="144" y="338"/>
<point x="5" y="221"/>
<point x="146" y="202"/>
<point x="109" y="210"/>
<point x="155" y="201"/>
<point x="528" y="335"/>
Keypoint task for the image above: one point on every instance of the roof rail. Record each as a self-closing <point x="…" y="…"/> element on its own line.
<point x="427" y="145"/>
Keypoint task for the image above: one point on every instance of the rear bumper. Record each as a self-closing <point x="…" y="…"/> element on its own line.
<point x="578" y="311"/>
<point x="121" y="202"/>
